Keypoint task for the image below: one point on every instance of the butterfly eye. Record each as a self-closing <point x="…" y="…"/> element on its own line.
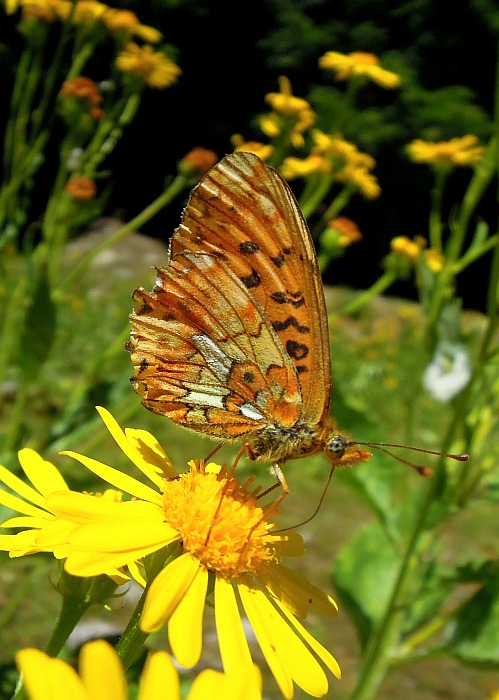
<point x="337" y="445"/>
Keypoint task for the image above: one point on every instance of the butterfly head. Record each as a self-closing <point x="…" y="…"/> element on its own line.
<point x="342" y="452"/>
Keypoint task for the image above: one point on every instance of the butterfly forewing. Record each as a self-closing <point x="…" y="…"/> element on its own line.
<point x="233" y="338"/>
<point x="244" y="210"/>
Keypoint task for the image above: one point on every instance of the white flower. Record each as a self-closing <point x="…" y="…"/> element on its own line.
<point x="448" y="373"/>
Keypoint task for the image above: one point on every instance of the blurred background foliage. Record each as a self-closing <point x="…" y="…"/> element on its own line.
<point x="232" y="56"/>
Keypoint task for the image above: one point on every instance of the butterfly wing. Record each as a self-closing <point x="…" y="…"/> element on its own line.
<point x="257" y="224"/>
<point x="235" y="328"/>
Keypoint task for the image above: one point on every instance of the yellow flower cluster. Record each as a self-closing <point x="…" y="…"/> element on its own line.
<point x="333" y="154"/>
<point x="359" y="65"/>
<point x="153" y="67"/>
<point x="121" y="22"/>
<point x="288" y="113"/>
<point x="412" y="250"/>
<point x="461" y="152"/>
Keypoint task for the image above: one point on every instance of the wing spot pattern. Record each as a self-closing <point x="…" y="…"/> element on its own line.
<point x="290" y="321"/>
<point x="253" y="280"/>
<point x="298" y="351"/>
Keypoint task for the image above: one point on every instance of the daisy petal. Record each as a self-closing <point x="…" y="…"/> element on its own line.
<point x="101" y="672"/>
<point x="276" y="637"/>
<point x="156" y="460"/>
<point x="14" y="503"/>
<point x="45" y="677"/>
<point x="234" y="648"/>
<point x="167" y="590"/>
<point x="118" y="479"/>
<point x="323" y="654"/>
<point x="245" y="684"/>
<point x="43" y="475"/>
<point x="20" y="487"/>
<point x="185" y="628"/>
<point x="129" y="447"/>
<point x="295" y="590"/>
<point x="159" y="678"/>
<point x="275" y="660"/>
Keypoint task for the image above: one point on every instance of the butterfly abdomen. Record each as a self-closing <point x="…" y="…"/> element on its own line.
<point x="277" y="443"/>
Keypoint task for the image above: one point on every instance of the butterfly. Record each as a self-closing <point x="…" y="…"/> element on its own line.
<point x="233" y="340"/>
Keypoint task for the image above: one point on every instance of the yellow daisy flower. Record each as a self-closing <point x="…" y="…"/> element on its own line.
<point x="101" y="677"/>
<point x="153" y="67"/>
<point x="303" y="167"/>
<point x="359" y="64"/>
<point x="223" y="541"/>
<point x="407" y="248"/>
<point x="127" y="23"/>
<point x="461" y="152"/>
<point x="262" y="150"/>
<point x="289" y="112"/>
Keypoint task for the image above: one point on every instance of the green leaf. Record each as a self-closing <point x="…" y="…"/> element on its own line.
<point x="475" y="638"/>
<point x="364" y="576"/>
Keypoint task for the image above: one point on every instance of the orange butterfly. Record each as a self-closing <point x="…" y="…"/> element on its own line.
<point x="233" y="340"/>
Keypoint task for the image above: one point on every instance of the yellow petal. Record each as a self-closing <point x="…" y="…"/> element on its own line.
<point x="127" y="446"/>
<point x="20" y="487"/>
<point x="97" y="563"/>
<point x="316" y="647"/>
<point x="159" y="678"/>
<point x="44" y="476"/>
<point x="116" y="478"/>
<point x="158" y="464"/>
<point x="276" y="663"/>
<point x="243" y="684"/>
<point x="185" y="628"/>
<point x="167" y="590"/>
<point x="83" y="508"/>
<point x="297" y="592"/>
<point x="278" y="639"/>
<point x="101" y="672"/>
<point x="232" y="641"/>
<point x="14" y="503"/>
<point x="49" y="679"/>
<point x="122" y="537"/>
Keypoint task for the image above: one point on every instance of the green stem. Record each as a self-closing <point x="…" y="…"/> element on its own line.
<point x="310" y="202"/>
<point x="177" y="186"/>
<point x="132" y="640"/>
<point x="435" y="223"/>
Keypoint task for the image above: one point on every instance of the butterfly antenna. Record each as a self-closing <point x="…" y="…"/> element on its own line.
<point x="318" y="507"/>
<point x="424" y="471"/>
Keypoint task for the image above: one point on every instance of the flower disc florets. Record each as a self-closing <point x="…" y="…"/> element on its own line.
<point x="219" y="521"/>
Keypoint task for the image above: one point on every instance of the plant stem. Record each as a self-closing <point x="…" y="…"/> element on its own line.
<point x="381" y="285"/>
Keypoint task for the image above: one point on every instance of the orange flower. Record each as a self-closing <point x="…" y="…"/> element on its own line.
<point x="197" y="162"/>
<point x="127" y="23"/>
<point x="81" y="188"/>
<point x="85" y="91"/>
<point x="348" y="230"/>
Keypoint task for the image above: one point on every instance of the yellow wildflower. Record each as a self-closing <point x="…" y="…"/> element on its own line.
<point x="406" y="248"/>
<point x="88" y="11"/>
<point x="359" y="64"/>
<point x="359" y="177"/>
<point x="303" y="167"/>
<point x="434" y="259"/>
<point x="287" y="110"/>
<point x="221" y="538"/>
<point x="44" y="10"/>
<point x="154" y="67"/>
<point x="461" y="152"/>
<point x="102" y="676"/>
<point x="127" y="23"/>
<point x="262" y="150"/>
